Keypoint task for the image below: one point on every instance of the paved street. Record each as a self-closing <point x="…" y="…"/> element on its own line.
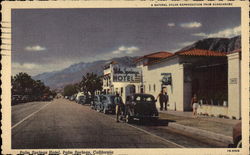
<point x="65" y="124"/>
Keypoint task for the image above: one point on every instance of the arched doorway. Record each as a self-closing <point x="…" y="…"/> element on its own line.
<point x="130" y="89"/>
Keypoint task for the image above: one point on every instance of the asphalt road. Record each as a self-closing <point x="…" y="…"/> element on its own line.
<point x="66" y="124"/>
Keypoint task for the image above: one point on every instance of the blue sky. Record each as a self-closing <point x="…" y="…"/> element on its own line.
<point x="52" y="39"/>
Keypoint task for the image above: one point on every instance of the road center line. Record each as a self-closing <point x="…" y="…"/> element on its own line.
<point x="165" y="140"/>
<point x="29" y="116"/>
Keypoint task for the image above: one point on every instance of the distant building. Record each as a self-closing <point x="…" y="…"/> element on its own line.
<point x="213" y="76"/>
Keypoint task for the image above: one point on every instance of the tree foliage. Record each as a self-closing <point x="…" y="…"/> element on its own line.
<point x="70" y="90"/>
<point x="23" y="84"/>
<point x="90" y="83"/>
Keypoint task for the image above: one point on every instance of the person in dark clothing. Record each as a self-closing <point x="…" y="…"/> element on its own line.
<point x="118" y="102"/>
<point x="129" y="105"/>
<point x="163" y="98"/>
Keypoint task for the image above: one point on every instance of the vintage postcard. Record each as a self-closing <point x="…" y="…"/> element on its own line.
<point x="125" y="77"/>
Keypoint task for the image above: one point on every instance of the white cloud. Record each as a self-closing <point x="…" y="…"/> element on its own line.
<point x="126" y="50"/>
<point x="35" y="48"/>
<point x="116" y="52"/>
<point x="191" y="25"/>
<point x="171" y="24"/>
<point x="132" y="49"/>
<point x="183" y="44"/>
<point x="173" y="49"/>
<point x="36" y="68"/>
<point x="58" y="64"/>
<point x="119" y="52"/>
<point x="199" y="34"/>
<point x="226" y="33"/>
<point x="24" y="66"/>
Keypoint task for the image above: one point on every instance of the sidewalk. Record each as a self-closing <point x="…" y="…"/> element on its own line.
<point x="211" y="127"/>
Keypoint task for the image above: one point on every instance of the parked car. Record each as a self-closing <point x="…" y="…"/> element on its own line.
<point x="51" y="97"/>
<point x="92" y="104"/>
<point x="108" y="104"/>
<point x="98" y="103"/>
<point x="38" y="98"/>
<point x="15" y="99"/>
<point x="78" y="96"/>
<point x="82" y="99"/>
<point x="143" y="107"/>
<point x="72" y="98"/>
<point x="89" y="99"/>
<point x="237" y="135"/>
<point x="25" y="98"/>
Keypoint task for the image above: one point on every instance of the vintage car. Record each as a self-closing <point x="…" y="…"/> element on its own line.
<point x="108" y="105"/>
<point x="26" y="98"/>
<point x="143" y="107"/>
<point x="15" y="99"/>
<point x="237" y="135"/>
<point x="81" y="99"/>
<point x="72" y="98"/>
<point x="98" y="103"/>
<point x="89" y="99"/>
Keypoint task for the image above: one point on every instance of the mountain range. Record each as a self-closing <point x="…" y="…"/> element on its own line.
<point x="74" y="73"/>
<point x="216" y="44"/>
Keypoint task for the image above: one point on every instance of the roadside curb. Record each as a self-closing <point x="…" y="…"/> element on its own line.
<point x="200" y="132"/>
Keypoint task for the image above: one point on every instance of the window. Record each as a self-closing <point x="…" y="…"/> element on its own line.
<point x="104" y="98"/>
<point x="95" y="99"/>
<point x="154" y="88"/>
<point x="149" y="87"/>
<point x="149" y="99"/>
<point x="142" y="89"/>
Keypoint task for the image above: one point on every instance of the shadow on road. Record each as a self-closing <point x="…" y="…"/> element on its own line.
<point x="160" y="122"/>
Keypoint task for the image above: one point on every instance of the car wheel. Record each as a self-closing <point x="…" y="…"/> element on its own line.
<point x="97" y="109"/>
<point x="239" y="144"/>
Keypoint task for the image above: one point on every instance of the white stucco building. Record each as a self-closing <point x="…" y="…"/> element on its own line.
<point x="213" y="76"/>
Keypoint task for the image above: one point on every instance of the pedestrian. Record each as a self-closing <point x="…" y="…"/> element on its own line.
<point x="129" y="105"/>
<point x="194" y="105"/>
<point x="163" y="98"/>
<point x="118" y="102"/>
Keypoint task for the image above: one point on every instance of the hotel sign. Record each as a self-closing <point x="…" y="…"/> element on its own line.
<point x="126" y="74"/>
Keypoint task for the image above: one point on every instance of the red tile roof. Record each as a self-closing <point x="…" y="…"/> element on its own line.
<point x="200" y="52"/>
<point x="194" y="52"/>
<point x="159" y="55"/>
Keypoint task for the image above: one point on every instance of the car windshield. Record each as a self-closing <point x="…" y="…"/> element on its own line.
<point x="143" y="98"/>
<point x="81" y="97"/>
